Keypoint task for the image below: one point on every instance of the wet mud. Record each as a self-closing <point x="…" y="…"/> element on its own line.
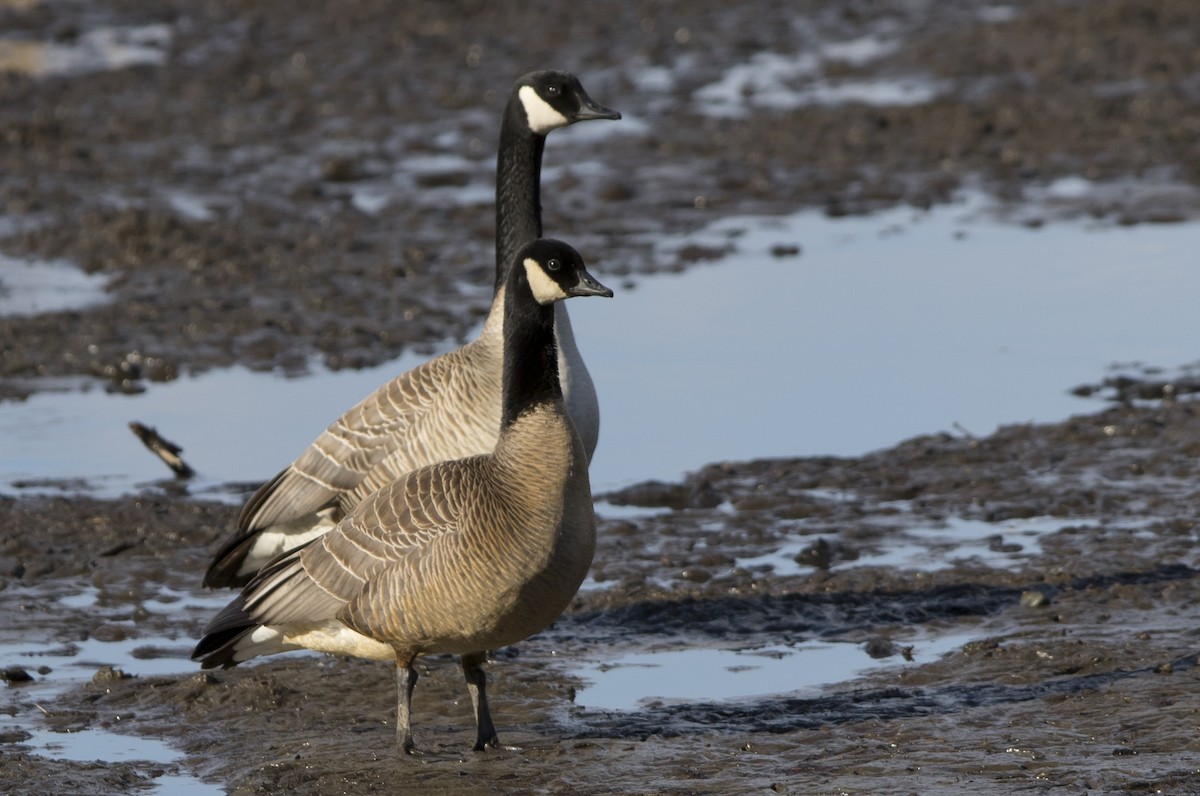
<point x="1079" y="675"/>
<point x="249" y="199"/>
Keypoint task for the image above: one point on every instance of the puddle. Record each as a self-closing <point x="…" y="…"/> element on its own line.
<point x="99" y="745"/>
<point x="612" y="511"/>
<point x="860" y="51"/>
<point x="36" y="287"/>
<point x="445" y="179"/>
<point x="190" y="206"/>
<point x="109" y="747"/>
<point x="59" y="666"/>
<point x="953" y="321"/>
<point x="99" y="49"/>
<point x="44" y="434"/>
<point x="706" y="674"/>
<point x="1006" y="545"/>
<point x="999" y="545"/>
<point x="786" y="82"/>
<point x="884" y="91"/>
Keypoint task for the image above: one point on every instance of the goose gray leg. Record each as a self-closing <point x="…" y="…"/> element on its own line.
<point x="472" y="666"/>
<point x="406" y="679"/>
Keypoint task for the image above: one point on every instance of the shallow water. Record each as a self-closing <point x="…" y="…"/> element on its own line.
<point x="785" y="82"/>
<point x="58" y="668"/>
<point x="885" y="327"/>
<point x="701" y="674"/>
<point x="1001" y="545"/>
<point x="953" y="321"/>
<point x="32" y="287"/>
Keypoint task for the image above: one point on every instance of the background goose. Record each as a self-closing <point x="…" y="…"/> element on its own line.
<point x="461" y="556"/>
<point x="448" y="407"/>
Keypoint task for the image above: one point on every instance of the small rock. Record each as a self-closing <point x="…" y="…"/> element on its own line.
<point x="997" y="544"/>
<point x="109" y="674"/>
<point x="819" y="554"/>
<point x="1034" y="599"/>
<point x="651" y="494"/>
<point x="616" y="191"/>
<point x="339" y="169"/>
<point x="704" y="496"/>
<point x="696" y="575"/>
<point x="15" y="674"/>
<point x="111" y="632"/>
<point x="881" y="648"/>
<point x="696" y="253"/>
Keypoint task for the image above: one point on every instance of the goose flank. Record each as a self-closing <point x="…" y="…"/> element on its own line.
<point x="446" y="408"/>
<point x="459" y="557"/>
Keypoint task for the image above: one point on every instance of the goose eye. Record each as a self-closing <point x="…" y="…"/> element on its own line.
<point x="553" y="91"/>
<point x="553" y="265"/>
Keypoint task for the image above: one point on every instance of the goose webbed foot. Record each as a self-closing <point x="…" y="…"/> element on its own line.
<point x="485" y="735"/>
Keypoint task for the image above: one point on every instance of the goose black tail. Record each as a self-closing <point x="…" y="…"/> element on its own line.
<point x="222" y="635"/>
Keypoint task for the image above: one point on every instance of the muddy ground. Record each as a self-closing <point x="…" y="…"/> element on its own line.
<point x="270" y="116"/>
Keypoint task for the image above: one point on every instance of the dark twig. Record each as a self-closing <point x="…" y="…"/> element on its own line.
<point x="163" y="449"/>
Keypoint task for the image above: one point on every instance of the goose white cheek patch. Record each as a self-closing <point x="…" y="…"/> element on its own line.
<point x="542" y="117"/>
<point x="545" y="289"/>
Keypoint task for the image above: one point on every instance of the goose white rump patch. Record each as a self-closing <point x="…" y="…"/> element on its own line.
<point x="335" y="638"/>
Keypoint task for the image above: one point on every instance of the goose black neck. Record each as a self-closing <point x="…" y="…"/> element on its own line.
<point x="530" y="350"/>
<point x="518" y="187"/>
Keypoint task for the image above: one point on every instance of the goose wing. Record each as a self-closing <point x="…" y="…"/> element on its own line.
<point x="368" y="440"/>
<point x="339" y="459"/>
<point x="394" y="527"/>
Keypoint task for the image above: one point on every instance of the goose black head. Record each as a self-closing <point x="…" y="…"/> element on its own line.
<point x="554" y="99"/>
<point x="555" y="271"/>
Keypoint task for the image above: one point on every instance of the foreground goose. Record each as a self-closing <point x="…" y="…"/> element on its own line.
<point x="447" y="408"/>
<point x="463" y="556"/>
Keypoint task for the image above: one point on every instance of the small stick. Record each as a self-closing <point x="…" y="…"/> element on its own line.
<point x="163" y="449"/>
